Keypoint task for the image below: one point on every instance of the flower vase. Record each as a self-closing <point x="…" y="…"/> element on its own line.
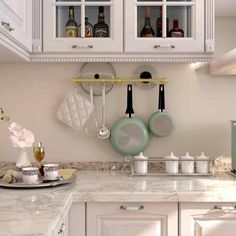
<point x="23" y="159"/>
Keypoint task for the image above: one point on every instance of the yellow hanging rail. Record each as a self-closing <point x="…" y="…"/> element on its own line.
<point x="118" y="80"/>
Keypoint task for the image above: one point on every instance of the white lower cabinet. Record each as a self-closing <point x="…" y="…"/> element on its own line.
<point x="77" y="220"/>
<point x="136" y="219"/>
<point x="62" y="228"/>
<point x="149" y="219"/>
<point x="207" y="219"/>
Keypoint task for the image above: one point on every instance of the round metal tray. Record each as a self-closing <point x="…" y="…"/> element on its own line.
<point x="40" y="184"/>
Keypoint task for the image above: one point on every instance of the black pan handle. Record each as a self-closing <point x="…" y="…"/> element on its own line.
<point x="129" y="110"/>
<point x="163" y="98"/>
<point x="161" y="103"/>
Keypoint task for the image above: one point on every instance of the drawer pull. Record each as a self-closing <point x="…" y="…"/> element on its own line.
<point x="82" y="46"/>
<point x="62" y="229"/>
<point x="225" y="208"/>
<point x="164" y="46"/>
<point x="138" y="208"/>
<point x="7" y="26"/>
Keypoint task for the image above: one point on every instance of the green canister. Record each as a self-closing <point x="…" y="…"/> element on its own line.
<point x="233" y="145"/>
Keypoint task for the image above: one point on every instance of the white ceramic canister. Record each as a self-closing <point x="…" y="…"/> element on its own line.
<point x="140" y="164"/>
<point x="202" y="167"/>
<point x="172" y="167"/>
<point x="187" y="167"/>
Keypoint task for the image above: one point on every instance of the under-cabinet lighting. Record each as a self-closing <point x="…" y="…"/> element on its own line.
<point x="197" y="65"/>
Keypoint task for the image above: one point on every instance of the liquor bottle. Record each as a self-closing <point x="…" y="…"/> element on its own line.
<point x="71" y="27"/>
<point x="101" y="29"/>
<point x="159" y="25"/>
<point x="88" y="29"/>
<point x="176" y="32"/>
<point x="147" y="30"/>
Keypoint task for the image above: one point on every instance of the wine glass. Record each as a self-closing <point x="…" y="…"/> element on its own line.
<point x="39" y="153"/>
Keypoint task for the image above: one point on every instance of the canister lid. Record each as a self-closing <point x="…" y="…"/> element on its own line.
<point x="141" y="157"/>
<point x="172" y="157"/>
<point x="187" y="156"/>
<point x="202" y="157"/>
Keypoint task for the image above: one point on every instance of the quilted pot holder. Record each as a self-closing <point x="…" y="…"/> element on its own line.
<point x="75" y="110"/>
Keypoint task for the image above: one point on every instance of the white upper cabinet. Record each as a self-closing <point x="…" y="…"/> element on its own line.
<point x="16" y="21"/>
<point x="202" y="219"/>
<point x="109" y="30"/>
<point x="83" y="26"/>
<point x="130" y="219"/>
<point x="149" y="30"/>
<point x="165" y="26"/>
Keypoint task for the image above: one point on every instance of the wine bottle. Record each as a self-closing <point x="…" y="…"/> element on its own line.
<point x="71" y="27"/>
<point x="159" y="25"/>
<point x="101" y="29"/>
<point x="176" y="32"/>
<point x="147" y="30"/>
<point x="88" y="29"/>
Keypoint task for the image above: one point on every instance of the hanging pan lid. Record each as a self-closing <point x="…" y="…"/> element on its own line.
<point x="145" y="72"/>
<point x="95" y="70"/>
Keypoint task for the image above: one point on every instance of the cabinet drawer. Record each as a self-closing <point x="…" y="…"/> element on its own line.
<point x="207" y="219"/>
<point x="132" y="219"/>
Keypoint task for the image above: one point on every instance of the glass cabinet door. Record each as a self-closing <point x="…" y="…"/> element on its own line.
<point x="83" y="26"/>
<point x="164" y="26"/>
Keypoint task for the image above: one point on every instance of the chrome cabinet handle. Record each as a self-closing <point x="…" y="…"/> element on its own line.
<point x="82" y="46"/>
<point x="164" y="46"/>
<point x="62" y="229"/>
<point x="138" y="208"/>
<point x="7" y="26"/>
<point x="225" y="208"/>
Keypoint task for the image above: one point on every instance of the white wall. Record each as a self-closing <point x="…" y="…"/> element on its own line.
<point x="225" y="35"/>
<point x="201" y="106"/>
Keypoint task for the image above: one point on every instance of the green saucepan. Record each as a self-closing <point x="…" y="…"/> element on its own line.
<point x="161" y="123"/>
<point x="129" y="135"/>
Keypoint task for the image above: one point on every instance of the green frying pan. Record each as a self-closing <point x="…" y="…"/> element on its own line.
<point x="129" y="135"/>
<point x="161" y="123"/>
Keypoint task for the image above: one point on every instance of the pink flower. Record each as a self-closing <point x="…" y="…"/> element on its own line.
<point x="15" y="129"/>
<point x="21" y="137"/>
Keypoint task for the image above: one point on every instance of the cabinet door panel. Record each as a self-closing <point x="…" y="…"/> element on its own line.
<point x="133" y="225"/>
<point x="16" y="21"/>
<point x="76" y="220"/>
<point x="215" y="228"/>
<point x="176" y="26"/>
<point x="108" y="219"/>
<point x="202" y="219"/>
<point x="16" y="7"/>
<point x="56" y="15"/>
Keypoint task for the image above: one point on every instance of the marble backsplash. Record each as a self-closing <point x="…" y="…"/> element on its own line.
<point x="221" y="164"/>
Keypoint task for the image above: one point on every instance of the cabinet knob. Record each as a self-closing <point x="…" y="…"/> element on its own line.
<point x="7" y="26"/>
<point x="62" y="229"/>
<point x="135" y="208"/>
<point x="164" y="46"/>
<point x="82" y="46"/>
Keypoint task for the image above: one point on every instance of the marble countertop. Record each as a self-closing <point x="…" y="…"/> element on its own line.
<point x="37" y="212"/>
